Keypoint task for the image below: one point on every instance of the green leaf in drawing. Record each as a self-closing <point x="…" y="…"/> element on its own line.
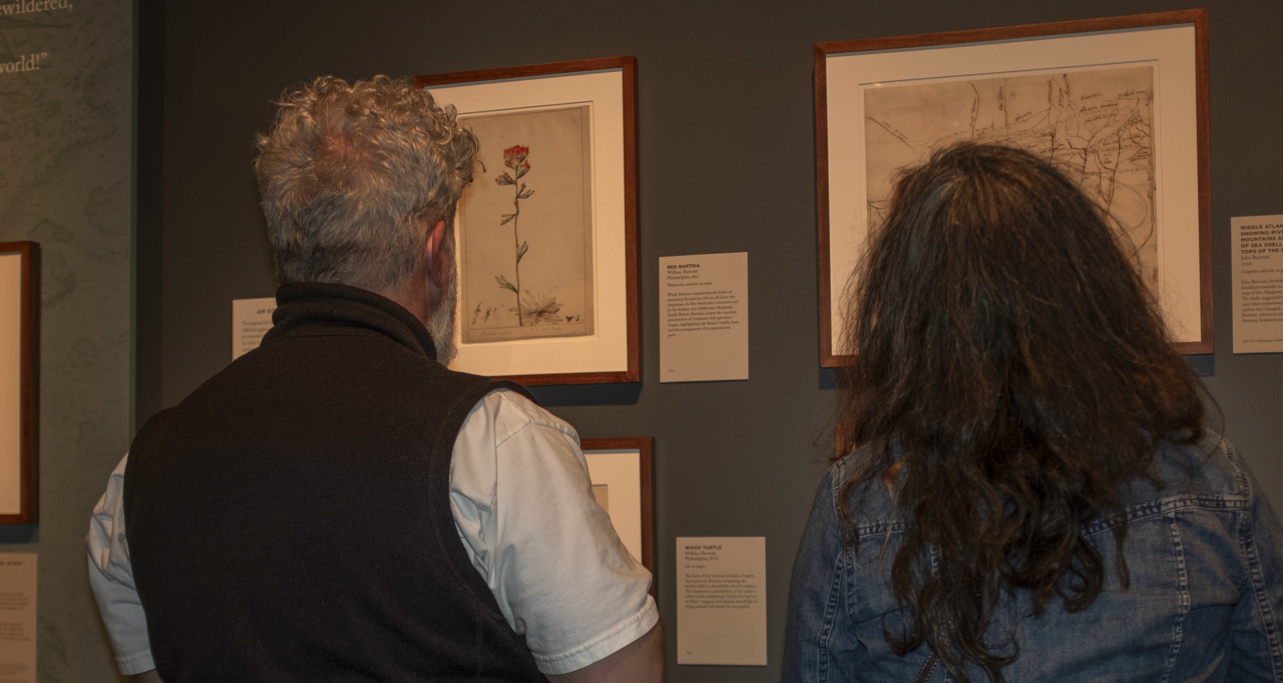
<point x="507" y="218"/>
<point x="521" y="251"/>
<point x="503" y="282"/>
<point x="505" y="179"/>
<point x="522" y="193"/>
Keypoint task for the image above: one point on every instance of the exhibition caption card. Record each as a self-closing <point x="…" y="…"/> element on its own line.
<point x="1257" y="254"/>
<point x="721" y="600"/>
<point x="18" y="617"/>
<point x="703" y="317"/>
<point x="251" y="319"/>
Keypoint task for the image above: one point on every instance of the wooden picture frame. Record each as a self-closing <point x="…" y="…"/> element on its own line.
<point x="908" y="95"/>
<point x="19" y="382"/>
<point x="625" y="467"/>
<point x="559" y="143"/>
<point x="843" y="441"/>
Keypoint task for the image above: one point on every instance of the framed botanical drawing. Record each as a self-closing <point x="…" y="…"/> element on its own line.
<point x="621" y="473"/>
<point x="1119" y="104"/>
<point x="546" y="234"/>
<point x="19" y="364"/>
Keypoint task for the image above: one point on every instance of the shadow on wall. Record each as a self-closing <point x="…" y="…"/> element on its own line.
<point x="1203" y="366"/>
<point x="587" y="394"/>
<point x="828" y="379"/>
<point x="18" y="533"/>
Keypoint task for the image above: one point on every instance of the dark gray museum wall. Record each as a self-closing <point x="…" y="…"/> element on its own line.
<point x="65" y="183"/>
<point x="727" y="163"/>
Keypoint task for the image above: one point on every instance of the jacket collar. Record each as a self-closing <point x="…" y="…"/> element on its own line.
<point x="315" y="307"/>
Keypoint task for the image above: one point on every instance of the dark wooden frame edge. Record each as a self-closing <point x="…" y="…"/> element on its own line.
<point x="1197" y="17"/>
<point x="645" y="446"/>
<point x="628" y="67"/>
<point x="842" y="436"/>
<point x="29" y="383"/>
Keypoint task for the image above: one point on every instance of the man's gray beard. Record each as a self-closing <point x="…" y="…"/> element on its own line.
<point x="441" y="319"/>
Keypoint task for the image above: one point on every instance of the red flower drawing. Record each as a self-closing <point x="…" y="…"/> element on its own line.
<point x="515" y="155"/>
<point x="515" y="158"/>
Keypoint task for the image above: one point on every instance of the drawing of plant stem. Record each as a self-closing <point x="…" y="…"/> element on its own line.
<point x="515" y="159"/>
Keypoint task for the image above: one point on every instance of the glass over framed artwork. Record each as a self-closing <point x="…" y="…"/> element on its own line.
<point x="621" y="473"/>
<point x="546" y="234"/>
<point x="19" y="365"/>
<point x="1119" y="104"/>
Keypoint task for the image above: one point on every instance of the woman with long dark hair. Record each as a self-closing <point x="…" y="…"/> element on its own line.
<point x="1034" y="495"/>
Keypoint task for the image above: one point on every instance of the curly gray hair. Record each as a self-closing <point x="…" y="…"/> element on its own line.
<point x="349" y="173"/>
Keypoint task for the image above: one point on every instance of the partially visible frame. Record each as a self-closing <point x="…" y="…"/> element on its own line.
<point x="19" y="382"/>
<point x="555" y="197"/>
<point x="843" y="441"/>
<point x="883" y="103"/>
<point x="622" y="474"/>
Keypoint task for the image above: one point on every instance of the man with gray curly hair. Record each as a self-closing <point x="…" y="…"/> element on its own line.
<point x="337" y="505"/>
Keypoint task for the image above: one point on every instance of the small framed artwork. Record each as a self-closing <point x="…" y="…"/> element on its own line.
<point x="19" y="364"/>
<point x="1118" y="104"/>
<point x="621" y="473"/>
<point x="546" y="234"/>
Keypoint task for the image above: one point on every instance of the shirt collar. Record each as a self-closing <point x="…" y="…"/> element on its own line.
<point x="310" y="305"/>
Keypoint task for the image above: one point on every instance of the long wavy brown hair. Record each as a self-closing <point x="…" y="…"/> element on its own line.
<point x="1011" y="363"/>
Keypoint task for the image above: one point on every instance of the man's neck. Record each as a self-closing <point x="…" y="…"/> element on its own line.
<point x="411" y="298"/>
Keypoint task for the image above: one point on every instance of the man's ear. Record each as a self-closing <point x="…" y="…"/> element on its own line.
<point x="436" y="259"/>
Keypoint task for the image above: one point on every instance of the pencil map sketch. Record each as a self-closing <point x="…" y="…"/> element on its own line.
<point x="525" y="228"/>
<point x="1094" y="125"/>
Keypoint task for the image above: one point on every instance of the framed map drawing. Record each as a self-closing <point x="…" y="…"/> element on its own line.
<point x="546" y="234"/>
<point x="621" y="472"/>
<point x="1118" y="104"/>
<point x="19" y="364"/>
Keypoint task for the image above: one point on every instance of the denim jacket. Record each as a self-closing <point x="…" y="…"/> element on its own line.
<point x="1205" y="602"/>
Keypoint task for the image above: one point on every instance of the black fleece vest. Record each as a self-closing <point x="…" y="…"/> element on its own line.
<point x="290" y="519"/>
